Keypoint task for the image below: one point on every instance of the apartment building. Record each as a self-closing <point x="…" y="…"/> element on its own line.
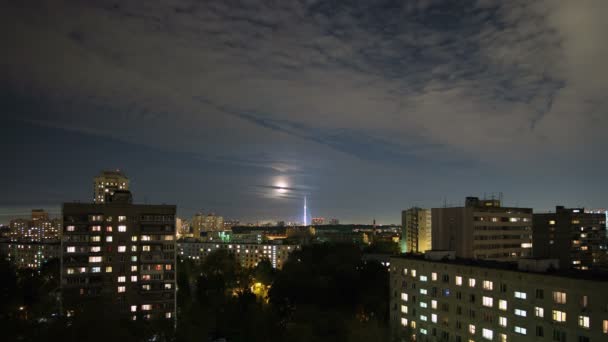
<point x="475" y="300"/>
<point x="415" y="230"/>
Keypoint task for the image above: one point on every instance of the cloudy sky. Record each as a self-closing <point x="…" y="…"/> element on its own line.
<point x="245" y="107"/>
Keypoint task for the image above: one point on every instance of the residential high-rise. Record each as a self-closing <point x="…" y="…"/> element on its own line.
<point x="483" y="229"/>
<point x="415" y="230"/>
<point x="121" y="253"/>
<point x="477" y="300"/>
<point x="206" y="223"/>
<point x="576" y="238"/>
<point x="106" y="183"/>
<point x="39" y="228"/>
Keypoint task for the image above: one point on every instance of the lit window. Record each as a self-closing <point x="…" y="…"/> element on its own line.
<point x="133" y="258"/>
<point x="146" y="307"/>
<point x="122" y="279"/>
<point x="95" y="238"/>
<point x="168" y="315"/>
<point x="605" y="326"/>
<point x="423" y="291"/>
<point x="404" y="321"/>
<point x="108" y="239"/>
<point x="122" y="289"/>
<point x="146" y="287"/>
<point x="122" y="249"/>
<point x="487" y="334"/>
<point x="520" y="312"/>
<point x="404" y="309"/>
<point x="108" y="269"/>
<point x="133" y="308"/>
<point x="413" y="324"/>
<point x="133" y="248"/>
<point x="145" y="238"/>
<point x="122" y="218"/>
<point x="551" y="222"/>
<point x="434" y="318"/>
<point x="423" y="318"/>
<point x="69" y="270"/>
<point x="539" y="312"/>
<point x="559" y="316"/>
<point x="134" y="238"/>
<point x="133" y="278"/>
<point x="520" y="330"/>
<point x="404" y="296"/>
<point x="520" y="295"/>
<point x="502" y="321"/>
<point x="71" y="249"/>
<point x="96" y="269"/>
<point x="122" y="228"/>
<point x="583" y="321"/>
<point x="488" y="285"/>
<point x="471" y="329"/>
<point x="488" y="302"/>
<point x="559" y="297"/>
<point x="423" y="305"/>
<point x="423" y="331"/>
<point x="70" y="228"/>
<point x="502" y="304"/>
<point x="471" y="282"/>
<point x="168" y="286"/>
<point x="95" y="249"/>
<point x="168" y="267"/>
<point x="145" y="248"/>
<point x="423" y="278"/>
<point x="133" y="268"/>
<point x="434" y="276"/>
<point x="502" y="337"/>
<point x="414" y="273"/>
<point x="94" y="259"/>
<point x="459" y="280"/>
<point x="434" y="304"/>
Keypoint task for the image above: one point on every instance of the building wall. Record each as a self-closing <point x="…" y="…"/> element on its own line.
<point x="106" y="183"/>
<point x="121" y="253"/>
<point x="433" y="301"/>
<point x="483" y="232"/>
<point x="416" y="230"/>
<point x="32" y="254"/>
<point x="249" y="255"/>
<point x="576" y="238"/>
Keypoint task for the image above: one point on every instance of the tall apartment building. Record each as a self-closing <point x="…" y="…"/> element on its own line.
<point x="39" y="228"/>
<point x="121" y="253"/>
<point x="474" y="300"/>
<point x="483" y="229"/>
<point x="248" y="254"/>
<point x="106" y="183"/>
<point x="206" y="223"/>
<point x="32" y="254"/>
<point x="576" y="238"/>
<point x="415" y="230"/>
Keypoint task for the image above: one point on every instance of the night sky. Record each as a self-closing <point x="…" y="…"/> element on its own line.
<point x="366" y="107"/>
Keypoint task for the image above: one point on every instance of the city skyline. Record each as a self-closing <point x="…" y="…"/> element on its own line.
<point x="366" y="108"/>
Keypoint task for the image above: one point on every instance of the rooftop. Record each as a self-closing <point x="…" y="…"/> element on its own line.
<point x="595" y="275"/>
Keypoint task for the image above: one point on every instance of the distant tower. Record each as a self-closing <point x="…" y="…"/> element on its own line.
<point x="106" y="183"/>
<point x="305" y="211"/>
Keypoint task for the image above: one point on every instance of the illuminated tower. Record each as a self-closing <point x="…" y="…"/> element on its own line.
<point x="305" y="211"/>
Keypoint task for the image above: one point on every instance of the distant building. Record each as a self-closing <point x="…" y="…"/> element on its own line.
<point x="122" y="253"/>
<point x="228" y="224"/>
<point x="248" y="254"/>
<point x="182" y="228"/>
<point x="32" y="254"/>
<point x="105" y="184"/>
<point x="334" y="221"/>
<point x="483" y="229"/>
<point x="576" y="238"/>
<point x="37" y="229"/>
<point x="475" y="300"/>
<point x="415" y="230"/>
<point x="317" y="221"/>
<point x="206" y="223"/>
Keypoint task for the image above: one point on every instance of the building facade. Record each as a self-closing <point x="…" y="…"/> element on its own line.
<point x="483" y="229"/>
<point x="32" y="254"/>
<point x="248" y="254"/>
<point x="40" y="228"/>
<point x="464" y="300"/>
<point x="106" y="183"/>
<point x="121" y="253"/>
<point x="576" y="238"/>
<point x="415" y="230"/>
<point x="206" y="223"/>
